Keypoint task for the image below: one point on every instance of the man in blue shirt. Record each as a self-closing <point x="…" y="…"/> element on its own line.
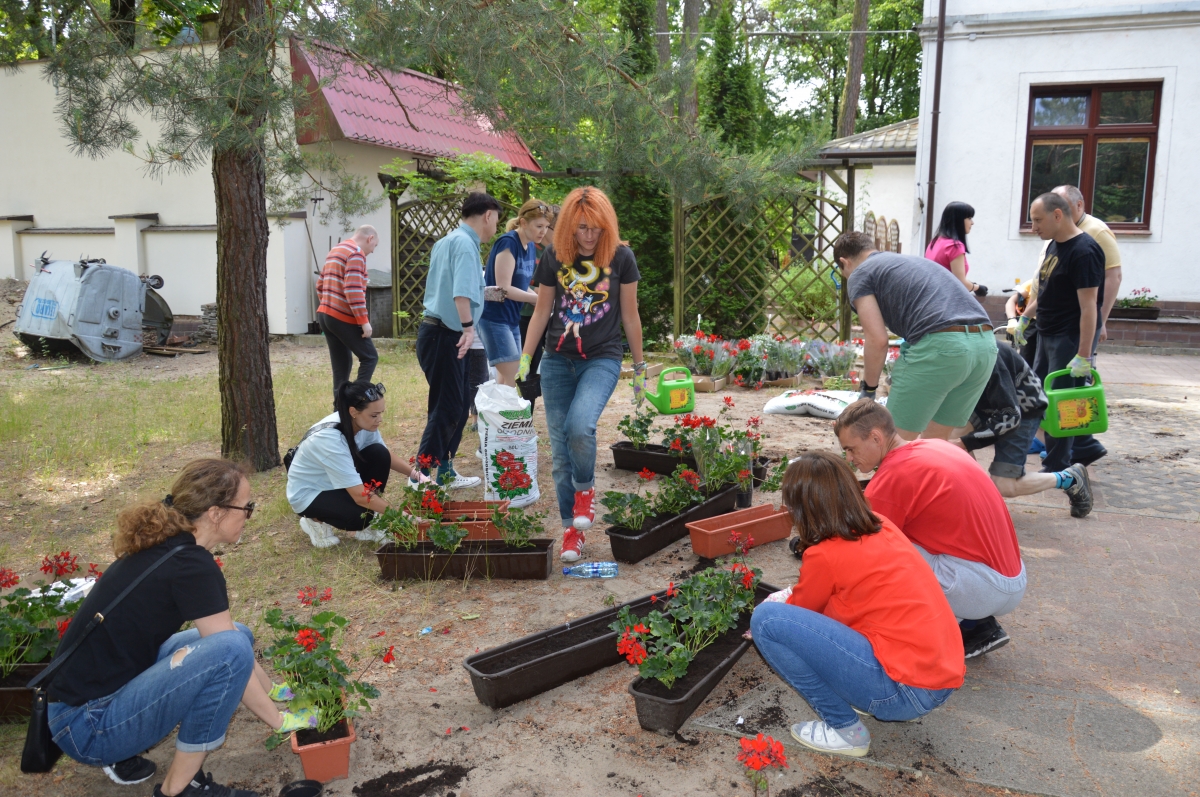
<point x="453" y="303"/>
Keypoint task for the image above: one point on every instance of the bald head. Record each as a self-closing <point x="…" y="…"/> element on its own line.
<point x="1074" y="198"/>
<point x="1051" y="217"/>
<point x="366" y="238"/>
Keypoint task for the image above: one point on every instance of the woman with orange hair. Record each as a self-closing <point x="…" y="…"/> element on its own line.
<point x="587" y="291"/>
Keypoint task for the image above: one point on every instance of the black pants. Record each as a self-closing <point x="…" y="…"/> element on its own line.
<point x="477" y="374"/>
<point x="345" y="341"/>
<point x="531" y="388"/>
<point x="447" y="407"/>
<point x="1053" y="354"/>
<point x="337" y="508"/>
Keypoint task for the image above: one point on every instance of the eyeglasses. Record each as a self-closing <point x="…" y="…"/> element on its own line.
<point x="248" y="508"/>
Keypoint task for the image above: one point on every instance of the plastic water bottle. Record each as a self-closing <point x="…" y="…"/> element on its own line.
<point x="592" y="570"/>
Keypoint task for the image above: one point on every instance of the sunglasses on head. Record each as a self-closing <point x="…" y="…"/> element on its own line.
<point x="373" y="392"/>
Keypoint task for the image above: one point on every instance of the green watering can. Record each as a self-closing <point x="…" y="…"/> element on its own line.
<point x="1075" y="411"/>
<point x="674" y="395"/>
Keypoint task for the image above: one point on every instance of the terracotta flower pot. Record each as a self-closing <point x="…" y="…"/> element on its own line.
<point x="326" y="761"/>
<point x="476" y="529"/>
<point x="710" y="538"/>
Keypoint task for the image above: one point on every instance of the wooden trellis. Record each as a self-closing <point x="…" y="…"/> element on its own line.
<point x="769" y="269"/>
<point x="416" y="226"/>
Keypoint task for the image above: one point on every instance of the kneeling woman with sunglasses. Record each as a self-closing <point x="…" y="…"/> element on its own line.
<point x="341" y="467"/>
<point x="135" y="677"/>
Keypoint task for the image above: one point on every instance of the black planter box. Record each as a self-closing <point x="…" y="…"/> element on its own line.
<point x="665" y="710"/>
<point x="473" y="559"/>
<point x="1141" y="313"/>
<point x="540" y="662"/>
<point x="659" y="459"/>
<point x="16" y="699"/>
<point x="629" y="546"/>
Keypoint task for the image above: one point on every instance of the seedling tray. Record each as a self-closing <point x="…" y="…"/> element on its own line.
<point x="473" y="559"/>
<point x="630" y="546"/>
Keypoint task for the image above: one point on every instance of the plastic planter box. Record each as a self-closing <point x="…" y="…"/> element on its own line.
<point x="666" y="713"/>
<point x="630" y="546"/>
<point x="476" y="529"/>
<point x="537" y="663"/>
<point x="657" y="458"/>
<point x="473" y="559"/>
<point x="765" y="523"/>
<point x="16" y="699"/>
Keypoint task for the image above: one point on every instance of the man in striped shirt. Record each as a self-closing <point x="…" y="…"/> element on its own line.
<point x="342" y="288"/>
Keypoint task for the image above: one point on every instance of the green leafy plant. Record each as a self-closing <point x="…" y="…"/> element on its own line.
<point x="774" y="481"/>
<point x="693" y="616"/>
<point x="32" y="621"/>
<point x="400" y="526"/>
<point x="704" y="354"/>
<point x="1138" y="297"/>
<point x="636" y="427"/>
<point x="305" y="654"/>
<point x="831" y="359"/>
<point x="678" y="491"/>
<point x="447" y="536"/>
<point x="629" y="510"/>
<point x="517" y="527"/>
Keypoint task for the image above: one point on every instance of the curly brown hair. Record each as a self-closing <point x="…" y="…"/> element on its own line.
<point x="203" y="483"/>
<point x="824" y="499"/>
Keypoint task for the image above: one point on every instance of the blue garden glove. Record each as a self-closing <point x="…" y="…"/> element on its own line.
<point x="523" y="368"/>
<point x="1019" y="333"/>
<point x="1080" y="366"/>
<point x="639" y="386"/>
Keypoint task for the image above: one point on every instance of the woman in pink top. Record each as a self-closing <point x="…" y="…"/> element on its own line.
<point x="949" y="244"/>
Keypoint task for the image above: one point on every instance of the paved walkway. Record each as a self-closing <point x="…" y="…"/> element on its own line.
<point x="1148" y="369"/>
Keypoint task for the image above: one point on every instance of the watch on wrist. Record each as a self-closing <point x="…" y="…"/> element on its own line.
<point x="467" y="324"/>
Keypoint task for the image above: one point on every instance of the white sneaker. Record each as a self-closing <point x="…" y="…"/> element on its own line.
<point x="479" y="454"/>
<point x="322" y="535"/>
<point x="371" y="535"/>
<point x="463" y="482"/>
<point x="819" y="736"/>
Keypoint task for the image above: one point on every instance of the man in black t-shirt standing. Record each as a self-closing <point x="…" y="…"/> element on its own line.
<point x="1070" y="290"/>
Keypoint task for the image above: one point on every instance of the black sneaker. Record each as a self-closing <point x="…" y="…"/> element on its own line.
<point x="986" y="636"/>
<point x="1092" y="459"/>
<point x="203" y="785"/>
<point x="1080" y="493"/>
<point x="131" y="770"/>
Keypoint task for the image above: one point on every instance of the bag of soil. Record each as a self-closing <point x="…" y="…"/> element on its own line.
<point x="509" y="445"/>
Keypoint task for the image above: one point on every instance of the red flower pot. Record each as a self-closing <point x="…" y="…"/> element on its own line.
<point x="476" y="529"/>
<point x="765" y="523"/>
<point x="326" y="761"/>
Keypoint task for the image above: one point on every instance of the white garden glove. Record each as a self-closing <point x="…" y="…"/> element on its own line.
<point x="1019" y="333"/>
<point x="1080" y="366"/>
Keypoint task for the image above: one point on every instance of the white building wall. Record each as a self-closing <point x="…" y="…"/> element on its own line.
<point x="989" y="66"/>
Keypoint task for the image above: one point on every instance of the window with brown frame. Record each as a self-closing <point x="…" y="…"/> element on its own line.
<point x="1101" y="138"/>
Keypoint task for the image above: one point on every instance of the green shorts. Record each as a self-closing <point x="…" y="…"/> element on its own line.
<point x="940" y="379"/>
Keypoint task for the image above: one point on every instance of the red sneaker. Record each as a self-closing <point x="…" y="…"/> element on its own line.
<point x="585" y="510"/>
<point x="572" y="545"/>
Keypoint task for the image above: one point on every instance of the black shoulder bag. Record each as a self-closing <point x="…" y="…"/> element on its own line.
<point x="291" y="452"/>
<point x="41" y="753"/>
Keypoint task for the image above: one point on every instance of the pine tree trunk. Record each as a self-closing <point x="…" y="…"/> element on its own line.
<point x="854" y="68"/>
<point x="248" y="432"/>
<point x="688" y="99"/>
<point x="662" y="26"/>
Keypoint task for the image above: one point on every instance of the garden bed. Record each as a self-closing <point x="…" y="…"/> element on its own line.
<point x="473" y="559"/>
<point x="659" y="459"/>
<point x="659" y="532"/>
<point x="540" y="662"/>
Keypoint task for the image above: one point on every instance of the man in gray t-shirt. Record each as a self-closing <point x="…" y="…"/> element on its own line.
<point x="949" y="350"/>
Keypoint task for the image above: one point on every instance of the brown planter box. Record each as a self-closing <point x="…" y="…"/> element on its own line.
<point x="473" y="559"/>
<point x="710" y="538"/>
<point x="476" y="529"/>
<point x="1141" y="313"/>
<point x="16" y="699"/>
<point x="659" y="459"/>
<point x="706" y="384"/>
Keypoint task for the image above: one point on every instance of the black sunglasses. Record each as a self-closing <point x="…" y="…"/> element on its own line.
<point x="373" y="392"/>
<point x="248" y="508"/>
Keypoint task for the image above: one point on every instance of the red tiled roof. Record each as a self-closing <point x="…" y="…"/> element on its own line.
<point x="358" y="106"/>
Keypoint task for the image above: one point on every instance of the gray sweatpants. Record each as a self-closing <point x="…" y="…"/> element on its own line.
<point x="974" y="590"/>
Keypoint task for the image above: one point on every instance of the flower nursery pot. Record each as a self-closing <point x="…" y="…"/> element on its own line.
<point x="760" y="470"/>
<point x="16" y="698"/>
<point x="1141" y="313"/>
<point x="659" y="459"/>
<point x="665" y="710"/>
<point x="765" y="523"/>
<point x="658" y="533"/>
<point x="537" y="663"/>
<point x="302" y="788"/>
<point x="476" y="529"/>
<point x="473" y="559"/>
<point x="326" y="760"/>
<point x="744" y="498"/>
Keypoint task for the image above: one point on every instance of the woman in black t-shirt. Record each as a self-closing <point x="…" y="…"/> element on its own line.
<point x="587" y="291"/>
<point x="136" y="677"/>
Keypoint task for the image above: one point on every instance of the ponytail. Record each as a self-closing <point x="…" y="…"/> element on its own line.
<point x="203" y="483"/>
<point x="357" y="395"/>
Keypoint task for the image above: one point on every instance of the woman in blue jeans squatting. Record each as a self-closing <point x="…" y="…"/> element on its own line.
<point x="867" y="630"/>
<point x="587" y="291"/>
<point x="136" y="677"/>
<point x="510" y="267"/>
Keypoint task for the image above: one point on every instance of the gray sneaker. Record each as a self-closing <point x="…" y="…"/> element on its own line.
<point x="1080" y="493"/>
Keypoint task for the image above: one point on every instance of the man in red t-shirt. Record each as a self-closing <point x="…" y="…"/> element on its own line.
<point x="951" y="511"/>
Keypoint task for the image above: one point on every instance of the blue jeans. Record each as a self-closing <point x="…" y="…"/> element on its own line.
<point x="501" y="341"/>
<point x="833" y="667"/>
<point x="1012" y="448"/>
<point x="575" y="393"/>
<point x="1053" y="354"/>
<point x="198" y="692"/>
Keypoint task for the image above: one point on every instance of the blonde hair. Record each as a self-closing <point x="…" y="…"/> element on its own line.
<point x="588" y="204"/>
<point x="203" y="483"/>
<point x="533" y="209"/>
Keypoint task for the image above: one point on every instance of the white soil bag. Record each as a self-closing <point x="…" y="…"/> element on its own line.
<point x="819" y="403"/>
<point x="509" y="445"/>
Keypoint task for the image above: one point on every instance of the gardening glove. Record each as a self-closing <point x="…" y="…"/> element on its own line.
<point x="1019" y="333"/>
<point x="523" y="368"/>
<point x="298" y="719"/>
<point x="280" y="693"/>
<point x="779" y="597"/>
<point x="639" y="386"/>
<point x="980" y="290"/>
<point x="1080" y="366"/>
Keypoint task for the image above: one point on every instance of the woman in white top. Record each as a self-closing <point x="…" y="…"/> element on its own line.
<point x="341" y="468"/>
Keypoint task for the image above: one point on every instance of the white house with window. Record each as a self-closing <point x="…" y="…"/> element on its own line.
<point x="1098" y="93"/>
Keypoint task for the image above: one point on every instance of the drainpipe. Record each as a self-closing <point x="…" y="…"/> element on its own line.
<point x="933" y="127"/>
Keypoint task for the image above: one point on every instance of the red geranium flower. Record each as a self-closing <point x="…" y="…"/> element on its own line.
<point x="744" y="345"/>
<point x="370" y="487"/>
<point x="691" y="477"/>
<point x="309" y="639"/>
<point x="671" y="591"/>
<point x="677" y="445"/>
<point x="93" y="571"/>
<point x="762" y="752"/>
<point x="63" y="625"/>
<point x="8" y="578"/>
<point x="629" y="647"/>
<point x="217" y="559"/>
<point x="61" y="564"/>
<point x="308" y="596"/>
<point x="754" y="421"/>
<point x="729" y="401"/>
<point x="743" y="475"/>
<point x="646" y="475"/>
<point x="746" y="573"/>
<point x="389" y="657"/>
